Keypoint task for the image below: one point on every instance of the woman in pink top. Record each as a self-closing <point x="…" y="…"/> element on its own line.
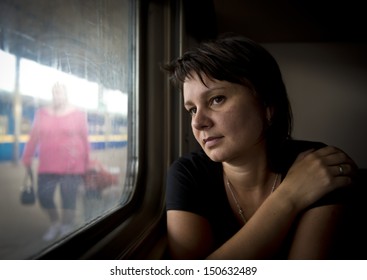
<point x="60" y="137"/>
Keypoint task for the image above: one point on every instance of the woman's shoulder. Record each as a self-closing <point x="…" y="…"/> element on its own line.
<point x="77" y="111"/>
<point x="73" y="111"/>
<point x="195" y="168"/>
<point x="295" y="147"/>
<point x="287" y="153"/>
<point x="43" y="110"/>
<point x="190" y="179"/>
<point x="66" y="112"/>
<point x="292" y="149"/>
<point x="41" y="113"/>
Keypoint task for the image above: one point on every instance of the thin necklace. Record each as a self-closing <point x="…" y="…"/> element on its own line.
<point x="240" y="210"/>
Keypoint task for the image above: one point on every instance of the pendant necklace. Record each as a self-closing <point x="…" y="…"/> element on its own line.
<point x="240" y="210"/>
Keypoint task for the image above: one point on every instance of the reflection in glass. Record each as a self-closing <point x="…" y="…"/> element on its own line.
<point x="85" y="46"/>
<point x="7" y="71"/>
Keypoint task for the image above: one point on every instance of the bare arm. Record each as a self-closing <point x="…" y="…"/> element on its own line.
<point x="317" y="233"/>
<point x="190" y="235"/>
<point x="32" y="143"/>
<point x="312" y="175"/>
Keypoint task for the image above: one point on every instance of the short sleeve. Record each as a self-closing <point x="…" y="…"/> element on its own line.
<point x="183" y="188"/>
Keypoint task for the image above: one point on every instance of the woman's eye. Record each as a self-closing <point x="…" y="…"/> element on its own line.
<point x="217" y="100"/>
<point x="192" y="111"/>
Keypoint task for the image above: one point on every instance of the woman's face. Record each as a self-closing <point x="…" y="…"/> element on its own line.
<point x="59" y="97"/>
<point x="227" y="119"/>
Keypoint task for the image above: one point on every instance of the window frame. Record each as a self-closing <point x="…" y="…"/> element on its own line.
<point x="138" y="227"/>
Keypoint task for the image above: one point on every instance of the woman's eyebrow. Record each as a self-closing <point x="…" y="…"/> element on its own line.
<point x="204" y="94"/>
<point x="188" y="103"/>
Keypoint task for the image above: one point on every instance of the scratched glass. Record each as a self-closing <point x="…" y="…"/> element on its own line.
<point x="65" y="68"/>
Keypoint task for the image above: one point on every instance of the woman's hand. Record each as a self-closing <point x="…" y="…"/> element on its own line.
<point x="316" y="173"/>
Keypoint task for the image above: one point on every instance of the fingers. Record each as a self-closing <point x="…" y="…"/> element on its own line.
<point x="332" y="155"/>
<point x="343" y="169"/>
<point x="304" y="154"/>
<point x="317" y="172"/>
<point x="337" y="161"/>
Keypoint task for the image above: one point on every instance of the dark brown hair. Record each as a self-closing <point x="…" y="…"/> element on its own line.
<point x="240" y="60"/>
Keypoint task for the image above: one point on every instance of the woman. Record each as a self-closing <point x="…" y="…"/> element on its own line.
<point x="251" y="192"/>
<point x="61" y="135"/>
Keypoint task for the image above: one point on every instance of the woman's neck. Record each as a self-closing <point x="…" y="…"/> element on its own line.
<point x="60" y="110"/>
<point x="252" y="172"/>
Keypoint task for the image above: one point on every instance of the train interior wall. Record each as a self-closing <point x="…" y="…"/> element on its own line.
<point x="326" y="82"/>
<point x="327" y="89"/>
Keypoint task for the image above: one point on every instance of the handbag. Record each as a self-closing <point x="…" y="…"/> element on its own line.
<point x="97" y="177"/>
<point x="27" y="194"/>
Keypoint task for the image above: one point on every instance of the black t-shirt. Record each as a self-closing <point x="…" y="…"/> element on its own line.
<point x="195" y="184"/>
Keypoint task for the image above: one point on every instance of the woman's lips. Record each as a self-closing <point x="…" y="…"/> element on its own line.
<point x="212" y="141"/>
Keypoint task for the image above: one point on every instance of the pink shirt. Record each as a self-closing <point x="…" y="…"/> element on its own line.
<point x="61" y="142"/>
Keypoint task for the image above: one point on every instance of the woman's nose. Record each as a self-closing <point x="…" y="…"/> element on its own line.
<point x="201" y="120"/>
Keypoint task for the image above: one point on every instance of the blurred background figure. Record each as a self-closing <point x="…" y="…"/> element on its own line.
<point x="59" y="138"/>
<point x="98" y="178"/>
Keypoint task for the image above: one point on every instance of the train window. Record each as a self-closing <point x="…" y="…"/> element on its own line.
<point x="65" y="104"/>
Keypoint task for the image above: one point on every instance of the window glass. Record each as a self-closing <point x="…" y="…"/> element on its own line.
<point x="65" y="68"/>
